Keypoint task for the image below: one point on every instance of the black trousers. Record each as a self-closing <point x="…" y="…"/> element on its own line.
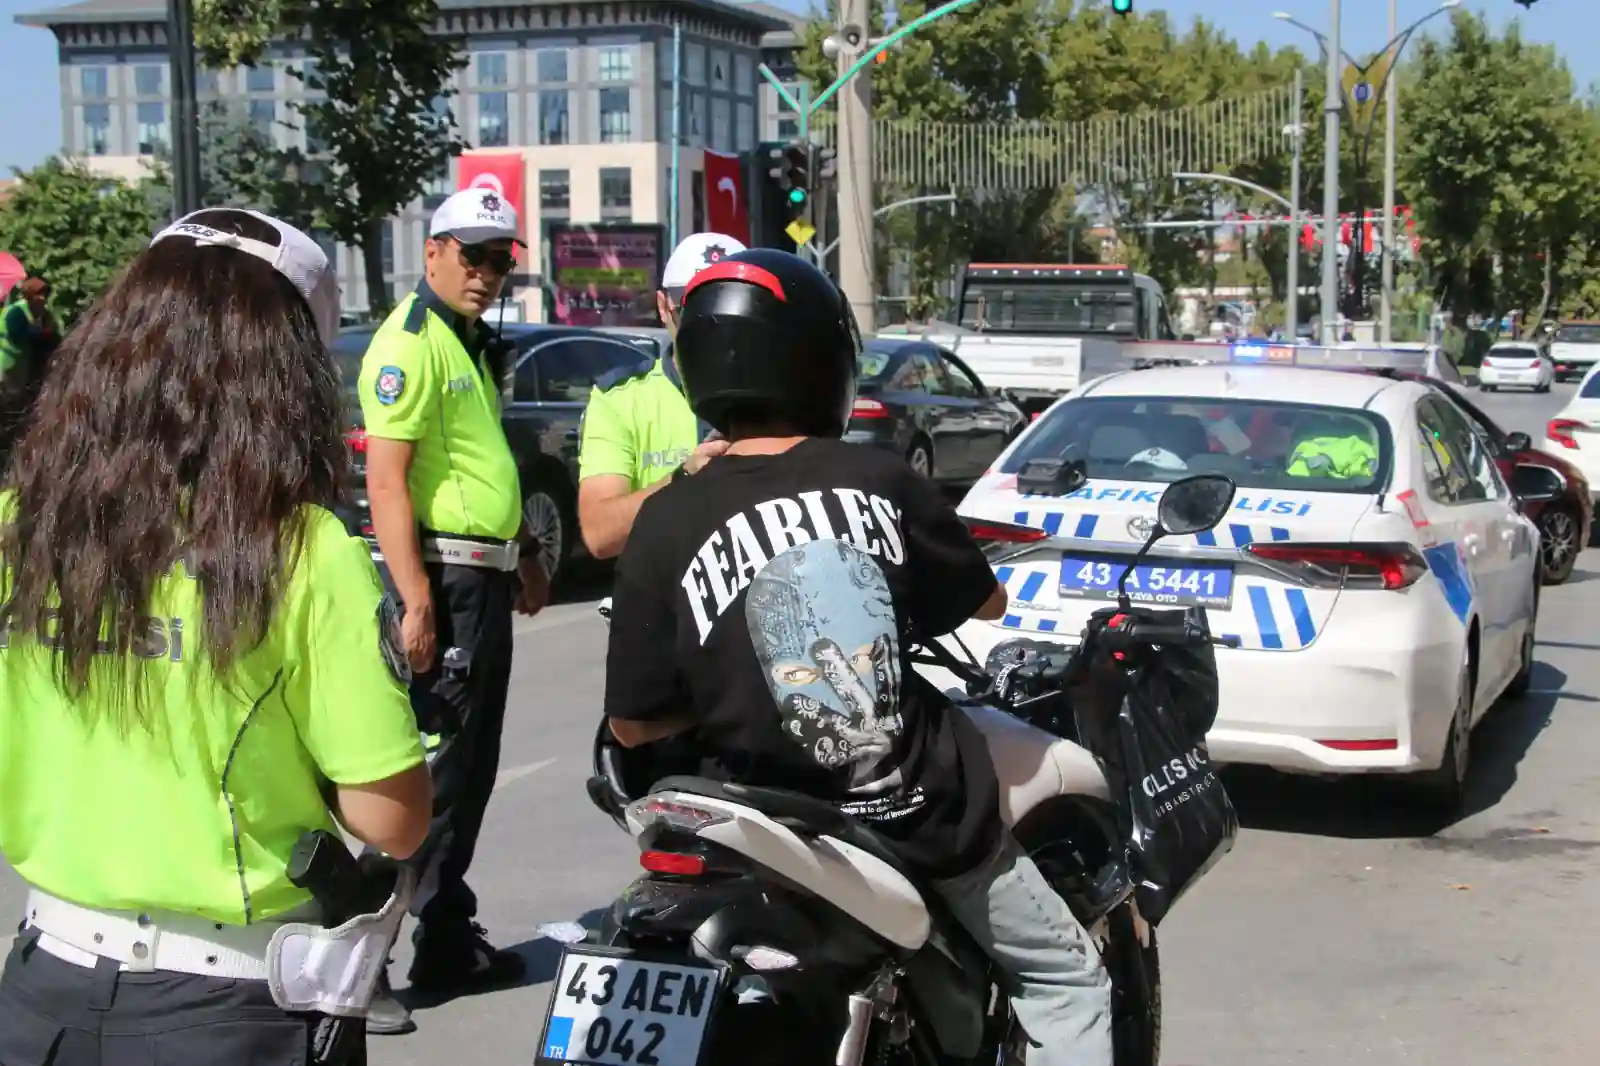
<point x="466" y="706"/>
<point x="56" y="1013"/>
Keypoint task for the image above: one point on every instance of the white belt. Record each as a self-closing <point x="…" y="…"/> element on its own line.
<point x="152" y="940"/>
<point x="489" y="555"/>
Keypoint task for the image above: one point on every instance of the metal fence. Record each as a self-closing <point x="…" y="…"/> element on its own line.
<point x="1145" y="146"/>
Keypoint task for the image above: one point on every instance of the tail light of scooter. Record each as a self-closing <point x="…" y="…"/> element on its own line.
<point x="1382" y="566"/>
<point x="674" y="863"/>
<point x="674" y="812"/>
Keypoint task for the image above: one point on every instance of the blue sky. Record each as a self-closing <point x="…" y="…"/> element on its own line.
<point x="30" y="117"/>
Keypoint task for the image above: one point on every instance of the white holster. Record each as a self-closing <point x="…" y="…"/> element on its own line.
<point x="335" y="971"/>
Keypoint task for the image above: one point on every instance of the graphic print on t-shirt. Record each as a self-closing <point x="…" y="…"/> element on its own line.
<point x="822" y="623"/>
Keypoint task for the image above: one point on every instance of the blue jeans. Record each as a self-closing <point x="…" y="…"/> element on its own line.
<point x="1059" y="990"/>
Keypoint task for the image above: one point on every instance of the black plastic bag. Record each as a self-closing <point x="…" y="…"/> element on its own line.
<point x="1180" y="820"/>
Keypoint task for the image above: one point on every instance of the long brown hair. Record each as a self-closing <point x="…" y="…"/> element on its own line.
<point x="190" y="415"/>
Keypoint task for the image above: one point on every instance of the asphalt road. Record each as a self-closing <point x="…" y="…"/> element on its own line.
<point x="1340" y="928"/>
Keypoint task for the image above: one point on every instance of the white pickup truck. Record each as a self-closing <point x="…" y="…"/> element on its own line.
<point x="1038" y="332"/>
<point x="1574" y="348"/>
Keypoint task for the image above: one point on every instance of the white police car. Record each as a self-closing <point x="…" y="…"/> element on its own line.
<point x="1376" y="571"/>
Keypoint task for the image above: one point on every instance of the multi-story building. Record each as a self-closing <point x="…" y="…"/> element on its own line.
<point x="580" y="90"/>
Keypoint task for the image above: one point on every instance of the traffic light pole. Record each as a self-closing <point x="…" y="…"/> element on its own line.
<point x="854" y="146"/>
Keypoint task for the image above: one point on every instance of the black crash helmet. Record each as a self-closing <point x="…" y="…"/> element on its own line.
<point x="764" y="334"/>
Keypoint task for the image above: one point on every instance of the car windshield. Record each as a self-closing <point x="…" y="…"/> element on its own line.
<point x="1513" y="351"/>
<point x="1578" y="334"/>
<point x="1260" y="445"/>
<point x="874" y="359"/>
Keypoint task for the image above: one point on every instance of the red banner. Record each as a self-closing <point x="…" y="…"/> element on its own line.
<point x="500" y="171"/>
<point x="727" y="205"/>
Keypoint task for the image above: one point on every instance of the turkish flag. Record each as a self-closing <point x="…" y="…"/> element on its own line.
<point x="500" y="171"/>
<point x="727" y="205"/>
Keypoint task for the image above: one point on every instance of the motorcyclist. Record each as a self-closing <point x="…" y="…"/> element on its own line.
<point x="764" y="608"/>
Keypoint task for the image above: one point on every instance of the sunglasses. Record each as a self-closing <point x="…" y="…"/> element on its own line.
<point x="477" y="256"/>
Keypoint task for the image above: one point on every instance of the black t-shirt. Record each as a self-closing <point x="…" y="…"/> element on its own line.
<point x="770" y="599"/>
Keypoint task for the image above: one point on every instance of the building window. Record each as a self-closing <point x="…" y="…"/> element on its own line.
<point x="551" y="65"/>
<point x="147" y="81"/>
<point x="721" y="123"/>
<point x="441" y="107"/>
<point x="553" y="118"/>
<point x="152" y="128"/>
<point x="437" y="188"/>
<point x="492" y="69"/>
<point x="386" y="248"/>
<point x="555" y="190"/>
<point x="719" y="69"/>
<point x="205" y="82"/>
<point x="616" y="64"/>
<point x="493" y="123"/>
<point x="694" y="119"/>
<point x="616" y="116"/>
<point x="260" y="79"/>
<point x="93" y="84"/>
<point x="316" y="143"/>
<point x="328" y="244"/>
<point x="96" y="129"/>
<point x="263" y="116"/>
<point x="788" y="128"/>
<point x="744" y="79"/>
<point x="745" y="130"/>
<point x="310" y="76"/>
<point x="616" y="188"/>
<point x="694" y="64"/>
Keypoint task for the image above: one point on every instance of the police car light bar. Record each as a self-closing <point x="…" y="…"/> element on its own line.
<point x="1069" y="271"/>
<point x="1352" y="357"/>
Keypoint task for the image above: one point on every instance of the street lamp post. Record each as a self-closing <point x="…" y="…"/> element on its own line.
<point x="1332" y="105"/>
<point x="1291" y="318"/>
<point x="1333" y="54"/>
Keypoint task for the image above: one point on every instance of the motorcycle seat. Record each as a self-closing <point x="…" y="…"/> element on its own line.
<point x="797" y="811"/>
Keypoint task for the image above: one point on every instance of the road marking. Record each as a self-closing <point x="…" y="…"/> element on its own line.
<point x="517" y="773"/>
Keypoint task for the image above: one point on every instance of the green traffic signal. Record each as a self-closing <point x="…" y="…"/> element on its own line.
<point x="797" y="196"/>
<point x="1122" y="7"/>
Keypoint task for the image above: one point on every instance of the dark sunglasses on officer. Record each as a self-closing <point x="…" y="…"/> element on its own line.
<point x="478" y="256"/>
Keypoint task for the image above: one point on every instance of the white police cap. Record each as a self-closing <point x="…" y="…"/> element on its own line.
<point x="693" y="254"/>
<point x="475" y="216"/>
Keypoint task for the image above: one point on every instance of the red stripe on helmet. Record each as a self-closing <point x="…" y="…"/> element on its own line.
<point x="729" y="270"/>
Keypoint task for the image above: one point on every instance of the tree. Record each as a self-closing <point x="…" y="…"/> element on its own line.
<point x="1500" y="163"/>
<point x="377" y="75"/>
<point x="77" y="229"/>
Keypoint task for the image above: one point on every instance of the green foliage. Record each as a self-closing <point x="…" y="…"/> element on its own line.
<point x="377" y="82"/>
<point x="1501" y="162"/>
<point x="77" y="229"/>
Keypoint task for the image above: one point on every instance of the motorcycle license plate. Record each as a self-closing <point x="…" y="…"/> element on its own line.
<point x="610" y="1007"/>
<point x="1158" y="584"/>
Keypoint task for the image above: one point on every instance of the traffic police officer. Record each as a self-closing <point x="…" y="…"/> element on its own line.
<point x="638" y="430"/>
<point x="447" y="510"/>
<point x="214" y="676"/>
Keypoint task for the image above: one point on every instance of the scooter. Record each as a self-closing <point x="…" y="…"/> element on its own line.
<point x="771" y="928"/>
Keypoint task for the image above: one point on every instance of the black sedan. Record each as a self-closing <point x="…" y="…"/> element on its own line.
<point x="922" y="402"/>
<point x="555" y="367"/>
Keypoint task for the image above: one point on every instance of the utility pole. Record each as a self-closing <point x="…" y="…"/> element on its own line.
<point x="1332" y="106"/>
<point x="1391" y="125"/>
<point x="186" y="192"/>
<point x="1291" y="316"/>
<point x="856" y="230"/>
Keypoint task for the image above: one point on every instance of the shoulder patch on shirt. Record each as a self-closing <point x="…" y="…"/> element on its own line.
<point x="389" y="643"/>
<point x="606" y="382"/>
<point x="391" y="385"/>
<point x="416" y="316"/>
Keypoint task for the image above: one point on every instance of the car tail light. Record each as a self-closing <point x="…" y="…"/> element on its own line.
<point x="356" y="439"/>
<point x="672" y="862"/>
<point x="1560" y="431"/>
<point x="1386" y="744"/>
<point x="1486" y="362"/>
<point x="865" y="408"/>
<point x="986" y="532"/>
<point x="1035" y="416"/>
<point x="1383" y="566"/>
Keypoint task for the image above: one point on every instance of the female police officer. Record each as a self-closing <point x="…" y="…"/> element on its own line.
<point x="192" y="666"/>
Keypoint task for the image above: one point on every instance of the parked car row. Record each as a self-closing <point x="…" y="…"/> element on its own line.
<point x="914" y="398"/>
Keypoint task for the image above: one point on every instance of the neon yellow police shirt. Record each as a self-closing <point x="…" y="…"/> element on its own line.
<point x="200" y="814"/>
<point x="638" y="425"/>
<point x="419" y="384"/>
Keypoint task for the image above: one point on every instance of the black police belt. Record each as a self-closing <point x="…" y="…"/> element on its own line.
<point x="456" y="550"/>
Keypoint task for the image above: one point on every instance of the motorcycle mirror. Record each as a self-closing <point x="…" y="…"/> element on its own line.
<point x="1051" y="477"/>
<point x="1190" y="505"/>
<point x="1194" y="504"/>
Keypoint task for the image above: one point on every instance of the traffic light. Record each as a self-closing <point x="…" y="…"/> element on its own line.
<point x="791" y="169"/>
<point x="1122" y="7"/>
<point x="827" y="165"/>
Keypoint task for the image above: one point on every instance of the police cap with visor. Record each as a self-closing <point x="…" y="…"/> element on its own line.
<point x="764" y="335"/>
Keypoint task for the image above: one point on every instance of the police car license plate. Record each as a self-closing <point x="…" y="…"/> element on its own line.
<point x="611" y="1008"/>
<point x="1095" y="577"/>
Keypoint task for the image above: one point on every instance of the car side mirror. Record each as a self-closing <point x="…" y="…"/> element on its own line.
<point x="1532" y="483"/>
<point x="1519" y="441"/>
<point x="1194" y="504"/>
